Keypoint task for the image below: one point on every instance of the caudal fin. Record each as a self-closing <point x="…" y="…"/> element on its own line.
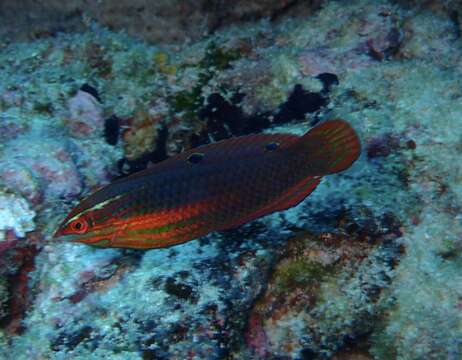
<point x="330" y="147"/>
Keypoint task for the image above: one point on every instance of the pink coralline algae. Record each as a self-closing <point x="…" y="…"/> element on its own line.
<point x="16" y="218"/>
<point x="19" y="297"/>
<point x="256" y="337"/>
<point x="95" y="161"/>
<point x="39" y="169"/>
<point x="375" y="36"/>
<point x="370" y="256"/>
<point x="11" y="128"/>
<point x="85" y="115"/>
<point x="21" y="179"/>
<point x="322" y="60"/>
<point x="11" y="98"/>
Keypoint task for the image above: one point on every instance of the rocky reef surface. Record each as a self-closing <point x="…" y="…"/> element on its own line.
<point x="164" y="21"/>
<point x="368" y="266"/>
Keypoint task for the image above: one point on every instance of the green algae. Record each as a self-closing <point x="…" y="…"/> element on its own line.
<point x="300" y="273"/>
<point x="163" y="64"/>
<point x="215" y="59"/>
<point x="98" y="60"/>
<point x="403" y="96"/>
<point x="188" y="101"/>
<point x="44" y="107"/>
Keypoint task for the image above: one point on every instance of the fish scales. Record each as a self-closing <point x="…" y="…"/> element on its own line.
<point x="212" y="187"/>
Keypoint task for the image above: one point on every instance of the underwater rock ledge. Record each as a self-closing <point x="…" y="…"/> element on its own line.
<point x="368" y="266"/>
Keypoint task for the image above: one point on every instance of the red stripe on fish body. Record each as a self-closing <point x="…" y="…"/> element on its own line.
<point x="213" y="187"/>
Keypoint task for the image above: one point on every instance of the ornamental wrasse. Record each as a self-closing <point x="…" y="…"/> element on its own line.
<point x="213" y="187"/>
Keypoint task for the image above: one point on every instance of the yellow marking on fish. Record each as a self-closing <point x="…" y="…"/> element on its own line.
<point x="96" y="207"/>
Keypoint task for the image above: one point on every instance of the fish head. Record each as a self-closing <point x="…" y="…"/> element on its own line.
<point x="89" y="223"/>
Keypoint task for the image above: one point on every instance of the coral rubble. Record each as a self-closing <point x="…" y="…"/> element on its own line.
<point x="369" y="266"/>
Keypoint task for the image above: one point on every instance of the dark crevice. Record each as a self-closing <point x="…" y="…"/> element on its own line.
<point x="225" y="118"/>
<point x="18" y="289"/>
<point x="90" y="90"/>
<point x="284" y="10"/>
<point x="127" y="167"/>
<point x="112" y="130"/>
<point x="454" y="16"/>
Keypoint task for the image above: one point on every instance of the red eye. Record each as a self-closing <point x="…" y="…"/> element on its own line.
<point x="79" y="226"/>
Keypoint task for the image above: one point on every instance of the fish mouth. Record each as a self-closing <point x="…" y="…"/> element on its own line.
<point x="75" y="238"/>
<point x="65" y="238"/>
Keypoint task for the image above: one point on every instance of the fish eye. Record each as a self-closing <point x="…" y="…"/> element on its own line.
<point x="79" y="226"/>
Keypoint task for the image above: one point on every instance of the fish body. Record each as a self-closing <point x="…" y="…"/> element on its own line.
<point x="213" y="187"/>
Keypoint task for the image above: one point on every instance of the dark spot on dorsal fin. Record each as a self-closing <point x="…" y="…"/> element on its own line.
<point x="272" y="146"/>
<point x="195" y="158"/>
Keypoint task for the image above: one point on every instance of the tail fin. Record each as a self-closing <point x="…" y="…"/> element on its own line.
<point x="329" y="148"/>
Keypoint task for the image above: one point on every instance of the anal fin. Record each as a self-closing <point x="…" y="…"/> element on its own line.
<point x="292" y="197"/>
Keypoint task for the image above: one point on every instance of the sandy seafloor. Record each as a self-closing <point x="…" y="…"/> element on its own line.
<point x="367" y="267"/>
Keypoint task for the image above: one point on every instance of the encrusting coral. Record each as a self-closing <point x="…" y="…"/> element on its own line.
<point x="369" y="264"/>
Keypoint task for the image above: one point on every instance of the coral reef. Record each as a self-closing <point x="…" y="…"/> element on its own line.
<point x="85" y="115"/>
<point x="160" y="21"/>
<point x="15" y="216"/>
<point x="324" y="291"/>
<point x="367" y="267"/>
<point x="202" y="294"/>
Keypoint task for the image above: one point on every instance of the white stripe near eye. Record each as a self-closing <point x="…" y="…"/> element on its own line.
<point x="98" y="206"/>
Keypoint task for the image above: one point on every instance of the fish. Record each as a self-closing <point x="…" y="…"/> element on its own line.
<point x="213" y="187"/>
